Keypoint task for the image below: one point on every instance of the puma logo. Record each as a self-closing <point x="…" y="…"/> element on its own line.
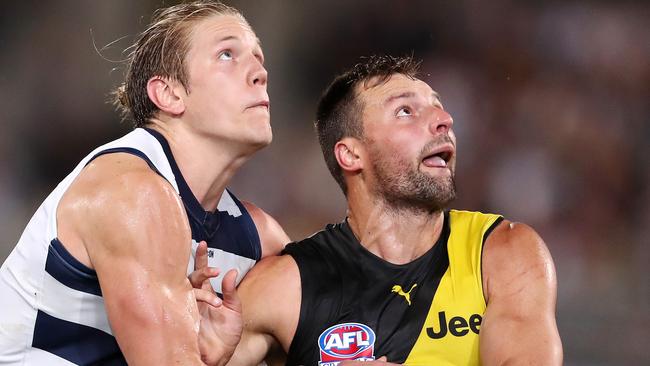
<point x="407" y="295"/>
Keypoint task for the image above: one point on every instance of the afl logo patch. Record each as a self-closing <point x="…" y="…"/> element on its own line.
<point x="347" y="341"/>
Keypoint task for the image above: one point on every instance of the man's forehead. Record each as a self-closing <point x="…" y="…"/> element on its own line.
<point x="220" y="28"/>
<point x="396" y="86"/>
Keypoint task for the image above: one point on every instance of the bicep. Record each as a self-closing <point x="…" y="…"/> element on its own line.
<point x="256" y="341"/>
<point x="270" y="295"/>
<point x="519" y="323"/>
<point x="509" y="334"/>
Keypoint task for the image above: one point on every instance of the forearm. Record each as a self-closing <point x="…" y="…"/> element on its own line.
<point x="158" y="327"/>
<point x="252" y="349"/>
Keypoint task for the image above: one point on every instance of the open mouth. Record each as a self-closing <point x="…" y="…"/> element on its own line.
<point x="439" y="158"/>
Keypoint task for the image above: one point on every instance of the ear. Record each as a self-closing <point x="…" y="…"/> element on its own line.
<point x="166" y="95"/>
<point x="348" y="152"/>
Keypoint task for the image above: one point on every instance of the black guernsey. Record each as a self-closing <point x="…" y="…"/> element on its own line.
<point x="344" y="283"/>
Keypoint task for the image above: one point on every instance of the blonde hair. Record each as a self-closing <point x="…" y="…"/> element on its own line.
<point x="160" y="50"/>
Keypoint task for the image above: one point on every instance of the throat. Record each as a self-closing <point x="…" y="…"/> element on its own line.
<point x="398" y="239"/>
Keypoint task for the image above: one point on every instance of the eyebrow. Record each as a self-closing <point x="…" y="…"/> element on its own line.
<point x="230" y="38"/>
<point x="409" y="94"/>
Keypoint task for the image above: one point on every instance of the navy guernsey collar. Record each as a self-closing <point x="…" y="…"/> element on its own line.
<point x="209" y="219"/>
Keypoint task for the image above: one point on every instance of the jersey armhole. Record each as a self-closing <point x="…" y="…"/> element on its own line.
<point x="485" y="236"/>
<point x="69" y="271"/>
<point x="57" y="245"/>
<point x="128" y="150"/>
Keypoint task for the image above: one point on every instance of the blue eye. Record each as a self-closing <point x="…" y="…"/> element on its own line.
<point x="225" y="55"/>
<point x="403" y="112"/>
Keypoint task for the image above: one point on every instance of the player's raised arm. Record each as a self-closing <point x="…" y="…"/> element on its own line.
<point x="519" y="325"/>
<point x="138" y="241"/>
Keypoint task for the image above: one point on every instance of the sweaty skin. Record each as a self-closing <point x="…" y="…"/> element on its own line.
<point x="127" y="223"/>
<point x="520" y="287"/>
<point x="400" y="118"/>
<point x="149" y="301"/>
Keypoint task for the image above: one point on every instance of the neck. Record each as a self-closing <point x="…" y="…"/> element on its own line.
<point x="399" y="235"/>
<point x="207" y="165"/>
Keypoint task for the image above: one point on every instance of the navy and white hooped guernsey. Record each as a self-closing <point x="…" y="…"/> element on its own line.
<point x="51" y="306"/>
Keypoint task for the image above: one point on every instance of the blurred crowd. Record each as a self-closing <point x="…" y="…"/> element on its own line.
<point x="550" y="101"/>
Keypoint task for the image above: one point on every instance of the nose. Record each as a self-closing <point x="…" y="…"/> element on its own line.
<point x="441" y="121"/>
<point x="258" y="75"/>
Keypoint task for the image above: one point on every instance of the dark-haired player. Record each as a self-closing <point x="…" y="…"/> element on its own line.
<point x="99" y="275"/>
<point x="402" y="276"/>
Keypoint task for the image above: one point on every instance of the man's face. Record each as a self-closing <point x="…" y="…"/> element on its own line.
<point x="227" y="97"/>
<point x="411" y="148"/>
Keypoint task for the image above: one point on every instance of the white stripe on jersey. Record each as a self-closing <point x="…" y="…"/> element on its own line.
<point x="79" y="307"/>
<point x="25" y="286"/>
<point x="220" y="259"/>
<point x="35" y="356"/>
<point x="227" y="204"/>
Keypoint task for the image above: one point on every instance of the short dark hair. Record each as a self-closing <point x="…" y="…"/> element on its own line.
<point x="160" y="50"/>
<point x="339" y="109"/>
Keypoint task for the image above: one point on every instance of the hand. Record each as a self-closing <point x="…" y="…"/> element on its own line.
<point x="380" y="361"/>
<point x="200" y="278"/>
<point x="221" y="321"/>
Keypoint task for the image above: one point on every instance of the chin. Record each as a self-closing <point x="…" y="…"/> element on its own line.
<point x="261" y="141"/>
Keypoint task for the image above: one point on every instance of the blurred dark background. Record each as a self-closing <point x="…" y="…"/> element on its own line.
<point x="550" y="101"/>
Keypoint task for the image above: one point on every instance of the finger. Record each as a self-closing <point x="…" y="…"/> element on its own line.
<point x="229" y="289"/>
<point x="201" y="258"/>
<point x="208" y="297"/>
<point x="383" y="359"/>
<point x="198" y="278"/>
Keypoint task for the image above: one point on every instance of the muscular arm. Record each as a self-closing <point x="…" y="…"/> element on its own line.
<point x="519" y="282"/>
<point x="132" y="225"/>
<point x="270" y="295"/>
<point x="272" y="236"/>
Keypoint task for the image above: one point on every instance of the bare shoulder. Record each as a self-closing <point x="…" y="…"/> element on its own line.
<point x="511" y="236"/>
<point x="515" y="253"/>
<point x="116" y="197"/>
<point x="272" y="236"/>
<point x="272" y="275"/>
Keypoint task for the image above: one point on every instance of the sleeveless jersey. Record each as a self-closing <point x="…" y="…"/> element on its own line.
<point x="357" y="306"/>
<point x="52" y="310"/>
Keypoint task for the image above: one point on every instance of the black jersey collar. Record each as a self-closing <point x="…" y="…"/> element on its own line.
<point x="434" y="250"/>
